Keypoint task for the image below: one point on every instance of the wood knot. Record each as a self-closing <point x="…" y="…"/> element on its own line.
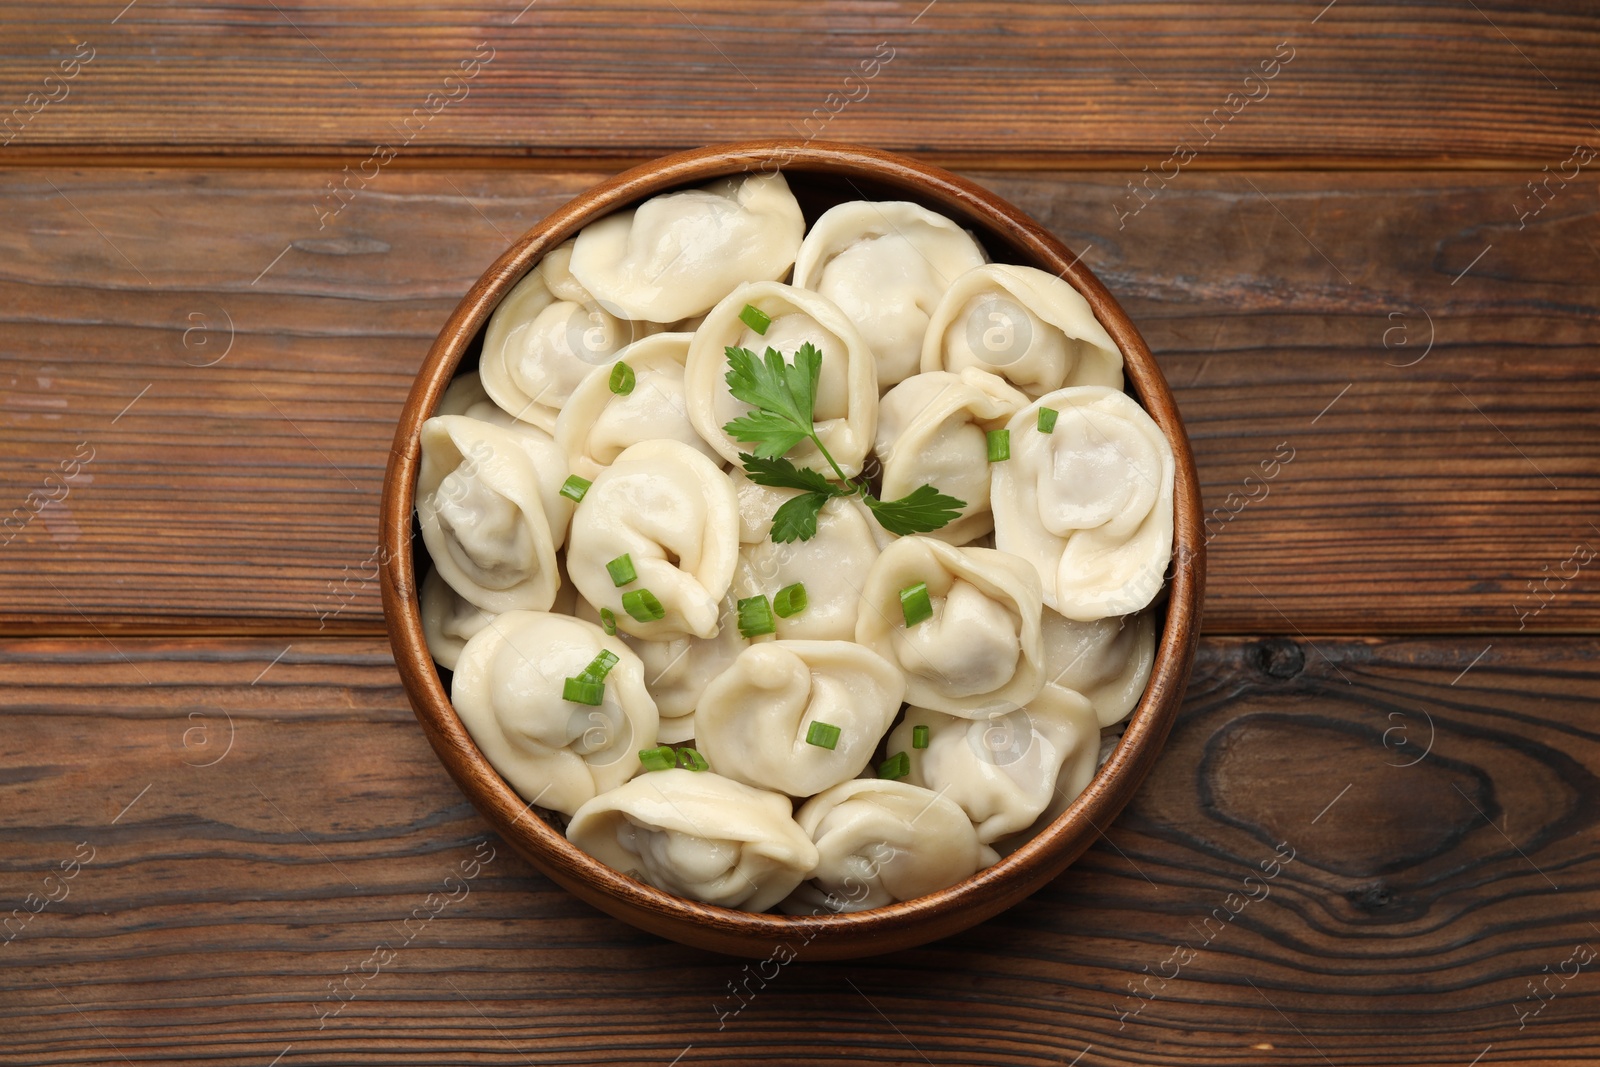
<point x="1279" y="657"/>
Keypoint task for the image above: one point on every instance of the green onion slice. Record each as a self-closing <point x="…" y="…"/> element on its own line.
<point x="755" y="617"/>
<point x="790" y="600"/>
<point x="584" y="690"/>
<point x="600" y="666"/>
<point x="622" y="379"/>
<point x="660" y="758"/>
<point x="823" y="735"/>
<point x="1047" y="419"/>
<point x="999" y="445"/>
<point x="689" y="759"/>
<point x="621" y="570"/>
<point x="919" y="736"/>
<point x="574" y="488"/>
<point x="608" y="622"/>
<point x="915" y="605"/>
<point x="756" y="319"/>
<point x="643" y="605"/>
<point x="895" y="767"/>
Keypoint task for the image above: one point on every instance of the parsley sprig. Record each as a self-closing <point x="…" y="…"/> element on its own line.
<point x="783" y="399"/>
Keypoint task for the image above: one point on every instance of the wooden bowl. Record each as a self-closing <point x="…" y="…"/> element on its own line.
<point x="821" y="175"/>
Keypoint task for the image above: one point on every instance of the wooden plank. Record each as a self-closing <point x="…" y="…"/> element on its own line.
<point x="263" y="822"/>
<point x="1018" y="81"/>
<point x="1424" y="356"/>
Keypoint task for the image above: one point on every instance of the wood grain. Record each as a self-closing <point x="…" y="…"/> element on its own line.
<point x="1020" y="81"/>
<point x="1424" y="355"/>
<point x="1441" y="823"/>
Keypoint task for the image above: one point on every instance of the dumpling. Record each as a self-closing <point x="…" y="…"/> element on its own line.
<point x="832" y="567"/>
<point x="754" y="718"/>
<point x="465" y="395"/>
<point x="1075" y="726"/>
<point x="886" y="264"/>
<point x="448" y="620"/>
<point x="1088" y="504"/>
<point x="699" y="835"/>
<point x="544" y="337"/>
<point x="598" y="423"/>
<point x="1108" y="660"/>
<point x="932" y="431"/>
<point x="880" y="842"/>
<point x="491" y="515"/>
<point x="677" y="254"/>
<point x="1004" y="771"/>
<point x="846" y="411"/>
<point x="673" y="513"/>
<point x="1032" y="328"/>
<point x="509" y="690"/>
<point x="979" y="651"/>
<point x="678" y="669"/>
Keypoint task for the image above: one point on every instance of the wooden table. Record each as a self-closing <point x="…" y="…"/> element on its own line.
<point x="229" y="238"/>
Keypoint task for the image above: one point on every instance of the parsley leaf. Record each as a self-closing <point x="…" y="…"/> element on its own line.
<point x="796" y="519"/>
<point x="782" y="394"/>
<point x="780" y="473"/>
<point x="922" y="510"/>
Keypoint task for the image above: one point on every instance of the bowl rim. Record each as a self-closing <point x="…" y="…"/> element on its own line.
<point x="838" y="935"/>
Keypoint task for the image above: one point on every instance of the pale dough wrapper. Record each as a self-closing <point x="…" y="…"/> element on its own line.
<point x="886" y="264"/>
<point x="676" y="254"/>
<point x="698" y="835"/>
<point x="448" y="620"/>
<point x="932" y="430"/>
<point x="597" y="425"/>
<point x="674" y="514"/>
<point x="981" y="651"/>
<point x="1108" y="660"/>
<point x="544" y="337"/>
<point x="880" y="842"/>
<point x="1088" y="504"/>
<point x="555" y="753"/>
<point x="1031" y="328"/>
<point x="491" y="512"/>
<point x="846" y="411"/>
<point x="753" y="719"/>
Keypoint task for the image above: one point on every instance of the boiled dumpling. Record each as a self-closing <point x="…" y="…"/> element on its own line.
<point x="673" y="513"/>
<point x="544" y="337"/>
<point x="1108" y="660"/>
<point x="509" y="692"/>
<point x="1074" y="726"/>
<point x="1004" y="771"/>
<point x="677" y="254"/>
<point x="880" y="842"/>
<point x="698" y="835"/>
<point x="1088" y="504"/>
<point x="754" y="719"/>
<point x="491" y="515"/>
<point x="980" y="651"/>
<point x="448" y="620"/>
<point x="886" y="264"/>
<point x="832" y="567"/>
<point x="1030" y="327"/>
<point x="932" y="431"/>
<point x="598" y="423"/>
<point x="846" y="411"/>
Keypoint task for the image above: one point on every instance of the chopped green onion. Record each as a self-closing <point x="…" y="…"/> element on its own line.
<point x="999" y="445"/>
<point x="895" y="767"/>
<point x="621" y="570"/>
<point x="643" y="605"/>
<point x="919" y="736"/>
<point x="622" y="379"/>
<point x="823" y="735"/>
<point x="608" y="622"/>
<point x="690" y="759"/>
<point x="756" y="319"/>
<point x="584" y="690"/>
<point x="790" y="600"/>
<point x="915" y="605"/>
<point x="1047" y="419"/>
<point x="600" y="666"/>
<point x="755" y="617"/>
<point x="660" y="758"/>
<point x="574" y="488"/>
